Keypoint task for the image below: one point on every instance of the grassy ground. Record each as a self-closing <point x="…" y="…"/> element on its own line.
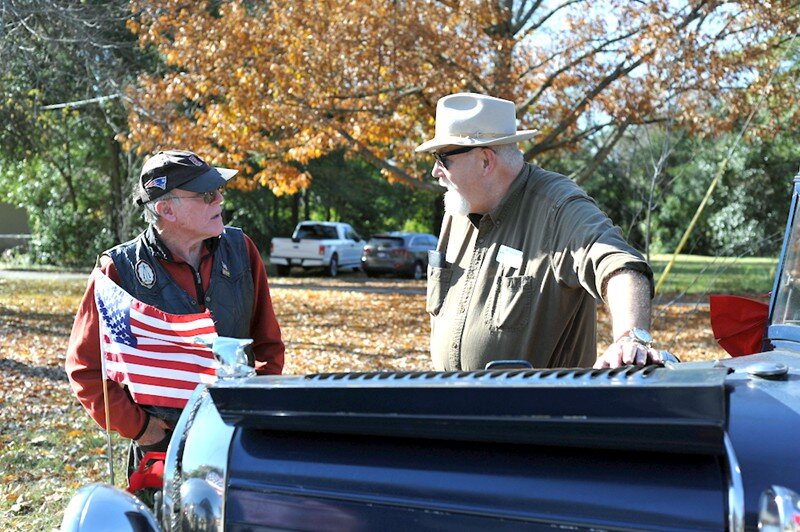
<point x="699" y="275"/>
<point x="49" y="447"/>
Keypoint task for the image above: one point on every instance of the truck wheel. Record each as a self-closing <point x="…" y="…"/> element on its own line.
<point x="418" y="272"/>
<point x="283" y="270"/>
<point x="333" y="267"/>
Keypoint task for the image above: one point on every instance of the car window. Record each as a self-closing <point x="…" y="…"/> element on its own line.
<point x="352" y="235"/>
<point x="385" y="242"/>
<point x="316" y="232"/>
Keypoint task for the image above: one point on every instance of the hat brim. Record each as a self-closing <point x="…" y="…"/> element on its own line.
<point x="440" y="142"/>
<point x="210" y="180"/>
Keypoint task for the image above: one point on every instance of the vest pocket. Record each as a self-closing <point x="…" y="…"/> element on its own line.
<point x="510" y="303"/>
<point x="438" y="285"/>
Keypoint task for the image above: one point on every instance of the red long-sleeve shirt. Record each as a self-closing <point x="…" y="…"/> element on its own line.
<point x="83" y="364"/>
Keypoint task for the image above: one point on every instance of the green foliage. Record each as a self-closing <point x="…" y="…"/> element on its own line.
<point x="352" y="191"/>
<point x="68" y="238"/>
<point x="745" y="215"/>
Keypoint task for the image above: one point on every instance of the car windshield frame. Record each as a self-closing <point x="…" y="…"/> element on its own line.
<point x="784" y="309"/>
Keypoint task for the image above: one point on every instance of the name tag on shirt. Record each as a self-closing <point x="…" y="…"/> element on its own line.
<point x="510" y="257"/>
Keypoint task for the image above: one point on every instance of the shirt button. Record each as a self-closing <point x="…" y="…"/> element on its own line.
<point x="208" y="299"/>
<point x="194" y="302"/>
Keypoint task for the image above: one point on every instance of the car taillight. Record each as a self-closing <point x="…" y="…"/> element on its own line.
<point x="368" y="251"/>
<point x="322" y="250"/>
<point x="271" y="248"/>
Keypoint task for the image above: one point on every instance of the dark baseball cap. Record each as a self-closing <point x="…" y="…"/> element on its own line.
<point x="171" y="169"/>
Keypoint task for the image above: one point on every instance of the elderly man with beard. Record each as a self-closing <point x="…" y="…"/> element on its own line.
<point x="524" y="255"/>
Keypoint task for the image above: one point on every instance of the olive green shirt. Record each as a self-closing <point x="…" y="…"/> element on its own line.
<point x="523" y="282"/>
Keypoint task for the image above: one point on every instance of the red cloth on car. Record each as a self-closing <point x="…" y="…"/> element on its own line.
<point x="738" y="323"/>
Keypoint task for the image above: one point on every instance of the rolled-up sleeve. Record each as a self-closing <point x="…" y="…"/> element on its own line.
<point x="588" y="248"/>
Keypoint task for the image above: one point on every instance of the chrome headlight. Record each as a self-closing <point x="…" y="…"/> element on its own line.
<point x="196" y="467"/>
<point x="106" y="507"/>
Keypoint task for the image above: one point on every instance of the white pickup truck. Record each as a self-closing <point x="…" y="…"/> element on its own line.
<point x="330" y="245"/>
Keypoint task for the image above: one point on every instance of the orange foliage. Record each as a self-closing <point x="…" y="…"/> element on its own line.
<point x="267" y="87"/>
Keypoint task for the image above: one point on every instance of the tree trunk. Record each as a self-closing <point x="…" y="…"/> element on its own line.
<point x="295" y="209"/>
<point x="502" y="87"/>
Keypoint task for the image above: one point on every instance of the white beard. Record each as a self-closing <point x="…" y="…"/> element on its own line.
<point x="455" y="204"/>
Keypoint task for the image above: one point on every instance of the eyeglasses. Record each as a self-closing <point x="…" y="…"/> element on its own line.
<point x="207" y="197"/>
<point x="441" y="158"/>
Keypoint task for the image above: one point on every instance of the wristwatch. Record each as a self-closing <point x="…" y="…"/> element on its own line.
<point x="637" y="335"/>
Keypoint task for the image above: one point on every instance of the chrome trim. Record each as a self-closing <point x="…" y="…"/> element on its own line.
<point x="197" y="458"/>
<point x="173" y="463"/>
<point x="778" y="510"/>
<point x="735" y="489"/>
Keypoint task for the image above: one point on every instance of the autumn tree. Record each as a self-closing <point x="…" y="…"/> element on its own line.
<point x="270" y="86"/>
<point x="65" y="68"/>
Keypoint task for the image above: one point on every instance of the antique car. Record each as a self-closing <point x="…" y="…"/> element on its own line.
<point x="707" y="445"/>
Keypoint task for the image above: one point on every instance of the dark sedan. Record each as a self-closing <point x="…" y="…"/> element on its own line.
<point x="398" y="253"/>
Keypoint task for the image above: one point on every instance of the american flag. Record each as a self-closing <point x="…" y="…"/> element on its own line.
<point x="160" y="357"/>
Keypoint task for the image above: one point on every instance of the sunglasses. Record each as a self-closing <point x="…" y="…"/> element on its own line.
<point x="441" y="158"/>
<point x="207" y="197"/>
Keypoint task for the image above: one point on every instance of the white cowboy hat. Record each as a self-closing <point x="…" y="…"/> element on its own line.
<point x="467" y="119"/>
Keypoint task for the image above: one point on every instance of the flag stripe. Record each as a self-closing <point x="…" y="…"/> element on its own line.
<point x="133" y="381"/>
<point x="136" y="370"/>
<point x="160" y="400"/>
<point x="155" y="347"/>
<point x="165" y="355"/>
<point x="165" y="317"/>
<point x="122" y="358"/>
<point x="169" y="337"/>
<point x="202" y="325"/>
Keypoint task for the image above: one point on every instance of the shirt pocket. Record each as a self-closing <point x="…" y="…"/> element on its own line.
<point x="510" y="303"/>
<point x="438" y="285"/>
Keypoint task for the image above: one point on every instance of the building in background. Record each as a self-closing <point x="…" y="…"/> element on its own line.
<point x="14" y="228"/>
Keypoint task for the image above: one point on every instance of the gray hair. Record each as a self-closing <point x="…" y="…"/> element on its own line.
<point x="509" y="153"/>
<point x="149" y="212"/>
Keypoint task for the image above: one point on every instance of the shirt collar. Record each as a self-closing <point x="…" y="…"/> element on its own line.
<point x="160" y="250"/>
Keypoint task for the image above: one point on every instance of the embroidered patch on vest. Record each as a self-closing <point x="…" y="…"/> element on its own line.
<point x="145" y="274"/>
<point x="225" y="271"/>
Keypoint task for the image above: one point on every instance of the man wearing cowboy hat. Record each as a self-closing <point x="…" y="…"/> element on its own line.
<point x="186" y="261"/>
<point x="524" y="254"/>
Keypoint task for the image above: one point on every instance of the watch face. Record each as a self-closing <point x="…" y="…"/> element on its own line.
<point x="641" y="335"/>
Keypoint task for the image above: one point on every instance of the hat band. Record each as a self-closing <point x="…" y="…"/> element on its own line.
<point x="479" y="135"/>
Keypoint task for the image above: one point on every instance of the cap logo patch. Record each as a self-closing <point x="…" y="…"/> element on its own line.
<point x="145" y="274"/>
<point x="195" y="161"/>
<point x="157" y="182"/>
